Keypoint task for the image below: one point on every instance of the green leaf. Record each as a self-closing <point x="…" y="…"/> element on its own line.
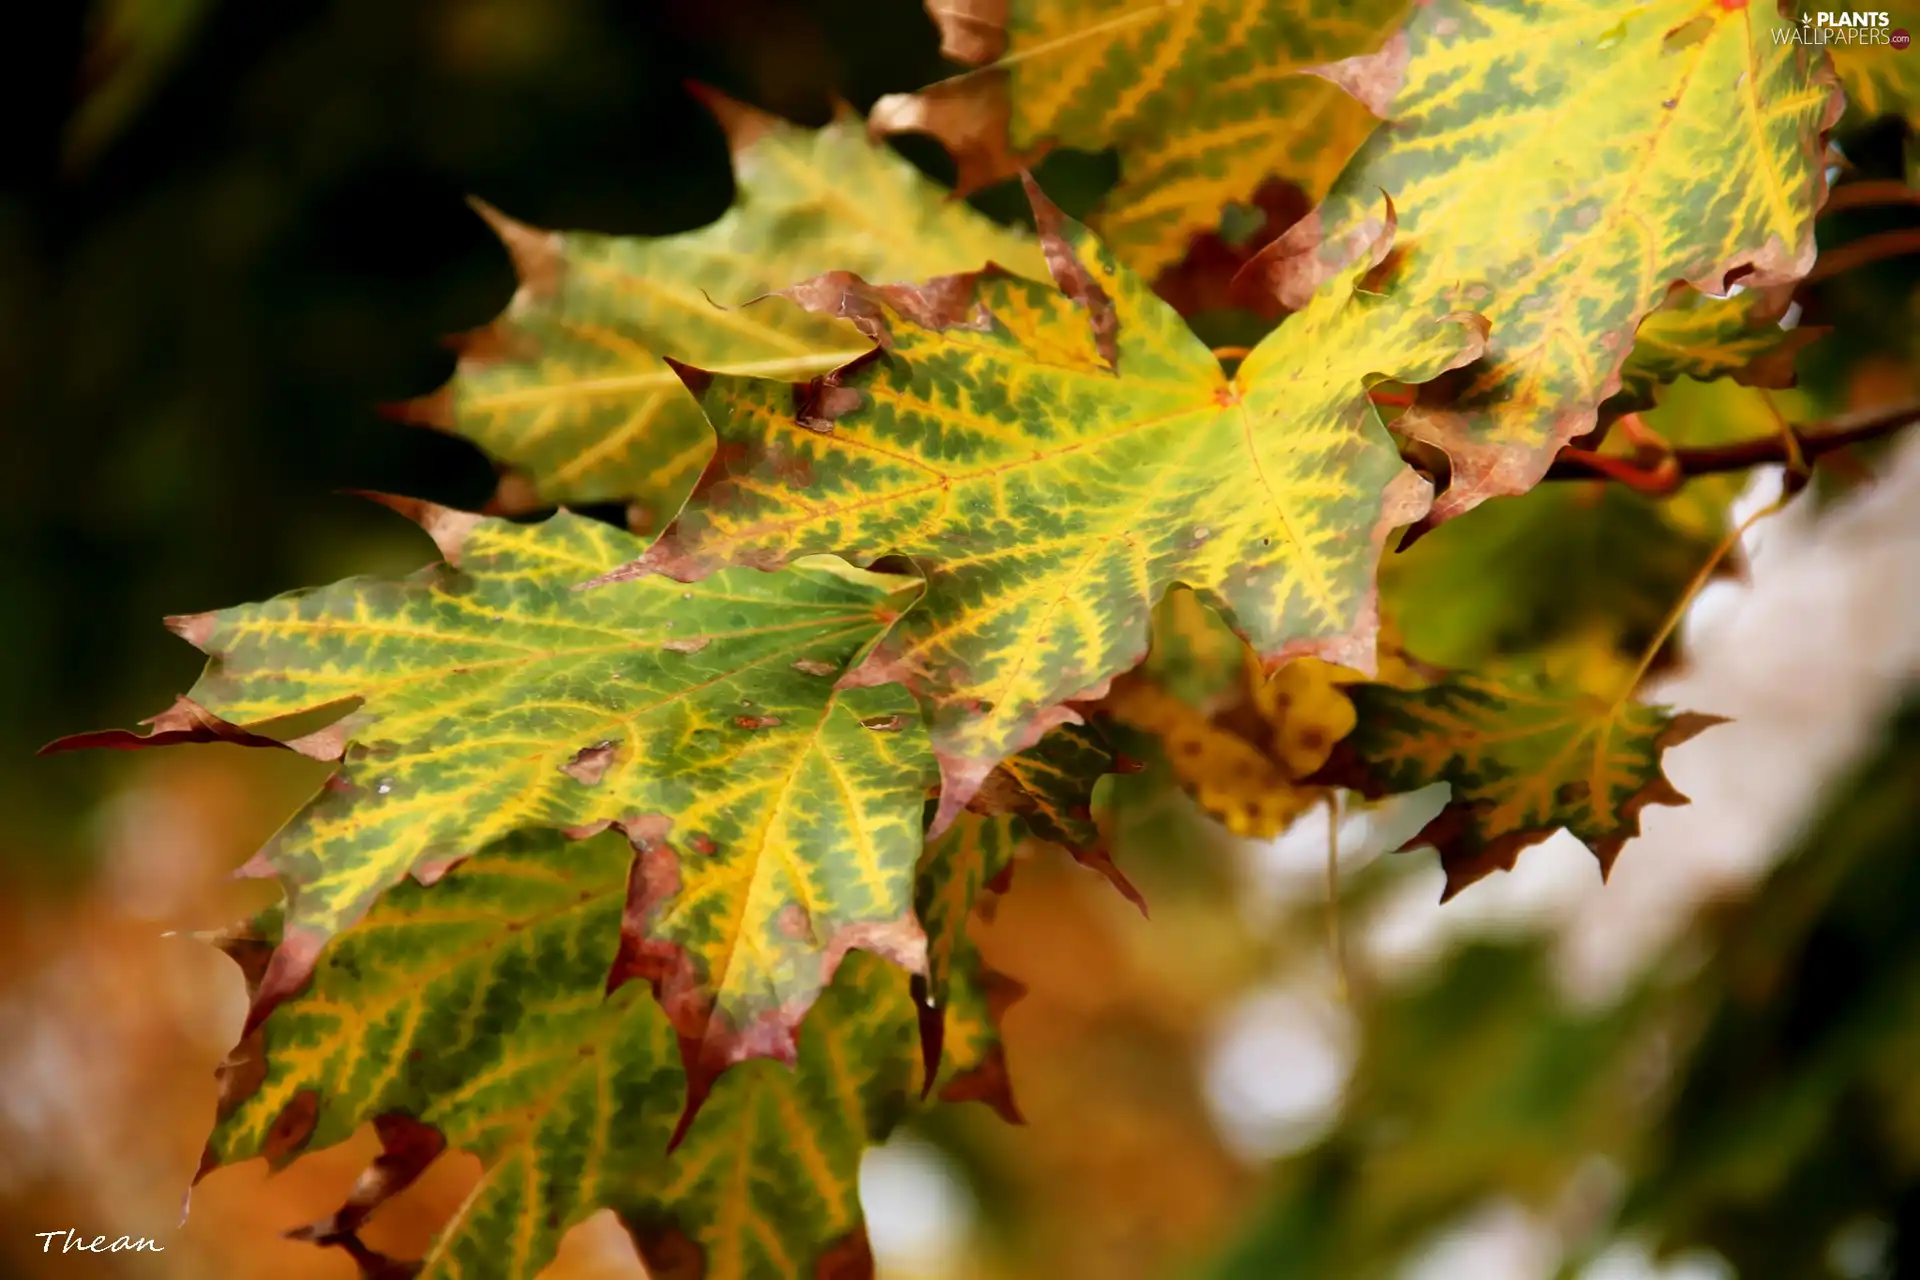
<point x="1525" y="756"/>
<point x="1044" y="793"/>
<point x="1557" y="169"/>
<point x="476" y="1015"/>
<point x="1053" y="459"/>
<point x="1049" y="786"/>
<point x="969" y="856"/>
<point x="1204" y="101"/>
<point x="1701" y="337"/>
<point x="776" y="819"/>
<point x="568" y="387"/>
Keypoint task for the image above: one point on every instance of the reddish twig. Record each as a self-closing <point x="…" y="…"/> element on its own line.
<point x="1863" y="195"/>
<point x="1813" y="442"/>
<point x="1867" y="249"/>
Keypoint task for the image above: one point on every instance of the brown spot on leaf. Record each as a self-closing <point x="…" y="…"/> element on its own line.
<point x="688" y="644"/>
<point x="815" y="667"/>
<point x="653" y="879"/>
<point x="792" y="921"/>
<point x="820" y="403"/>
<point x="291" y="1129"/>
<point x="757" y="722"/>
<point x="590" y="764"/>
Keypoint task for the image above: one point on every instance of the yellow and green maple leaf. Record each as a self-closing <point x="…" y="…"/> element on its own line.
<point x="569" y="387"/>
<point x="1526" y="751"/>
<point x="475" y="1015"/>
<point x="1053" y="459"/>
<point x="1558" y="167"/>
<point x="776" y="819"/>
<point x="1204" y="101"/>
<point x="1698" y="336"/>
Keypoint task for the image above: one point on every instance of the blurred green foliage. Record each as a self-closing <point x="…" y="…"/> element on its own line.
<point x="1761" y="1104"/>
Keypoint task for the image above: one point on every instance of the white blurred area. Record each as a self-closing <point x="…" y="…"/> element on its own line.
<point x="1805" y="657"/>
<point x="919" y="1211"/>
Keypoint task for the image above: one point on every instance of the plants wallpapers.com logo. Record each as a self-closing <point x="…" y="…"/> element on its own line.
<point x="1846" y="27"/>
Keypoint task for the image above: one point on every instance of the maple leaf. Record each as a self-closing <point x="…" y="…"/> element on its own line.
<point x="475" y="1016"/>
<point x="1525" y="756"/>
<point x="1697" y="336"/>
<point x="1045" y="794"/>
<point x="1601" y="155"/>
<point x="1203" y="101"/>
<point x="954" y="869"/>
<point x="1053" y="459"/>
<point x="1228" y="776"/>
<point x="568" y="387"/>
<point x="776" y="819"/>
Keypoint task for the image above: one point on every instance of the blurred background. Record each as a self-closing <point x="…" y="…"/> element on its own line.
<point x="232" y="229"/>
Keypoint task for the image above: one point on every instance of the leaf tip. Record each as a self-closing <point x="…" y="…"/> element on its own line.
<point x="447" y="526"/>
<point x="536" y="255"/>
<point x="743" y="124"/>
<point x="195" y="628"/>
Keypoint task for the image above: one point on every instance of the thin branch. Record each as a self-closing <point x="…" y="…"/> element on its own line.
<point x="1687" y="597"/>
<point x="1862" y="195"/>
<point x="1865" y="250"/>
<point x="1814" y="441"/>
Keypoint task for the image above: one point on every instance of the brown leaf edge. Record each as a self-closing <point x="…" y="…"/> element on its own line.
<point x="944" y="302"/>
<point x="408" y="1146"/>
<point x="971" y="113"/>
<point x="1310" y="253"/>
<point x="710" y="1043"/>
<point x="538" y="258"/>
